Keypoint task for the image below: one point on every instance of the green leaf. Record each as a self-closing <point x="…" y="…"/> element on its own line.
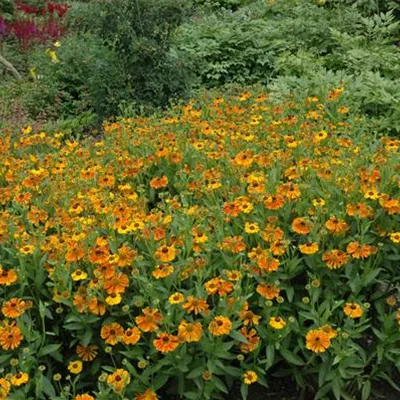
<point x="51" y="348"/>
<point x="196" y="372"/>
<point x="323" y="372"/>
<point x="48" y="387"/>
<point x="244" y="391"/>
<point x="337" y="388"/>
<point x="366" y="390"/>
<point x="291" y="357"/>
<point x="238" y="336"/>
<point x="219" y="384"/>
<point x="87" y="337"/>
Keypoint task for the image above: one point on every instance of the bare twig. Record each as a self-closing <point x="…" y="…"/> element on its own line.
<point x="11" y="68"/>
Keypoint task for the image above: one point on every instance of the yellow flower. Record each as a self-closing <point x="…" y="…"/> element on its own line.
<point x="395" y="237"/>
<point x="176" y="298"/>
<point x="250" y="377"/>
<point x="277" y="322"/>
<point x="251" y="227"/>
<point x="318" y="202"/>
<point x="75" y="367"/>
<point x="79" y="275"/>
<point x="27" y="249"/>
<point x="19" y="379"/>
<point x="308" y="248"/>
<point x="113" y="299"/>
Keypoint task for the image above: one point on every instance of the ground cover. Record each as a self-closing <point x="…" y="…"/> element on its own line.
<point x="229" y="242"/>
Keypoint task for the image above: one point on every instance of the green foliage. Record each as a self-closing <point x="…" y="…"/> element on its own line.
<point x="218" y="4"/>
<point x="85" y="77"/>
<point x="296" y="43"/>
<point x="139" y="32"/>
<point x="7" y="6"/>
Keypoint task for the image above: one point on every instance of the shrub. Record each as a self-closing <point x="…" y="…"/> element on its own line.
<point x="298" y="41"/>
<point x="139" y="32"/>
<point x="235" y="239"/>
<point x="80" y="76"/>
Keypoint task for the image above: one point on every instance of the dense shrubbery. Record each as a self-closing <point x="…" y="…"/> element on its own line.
<point x="233" y="240"/>
<point x="166" y="48"/>
<point x="298" y="42"/>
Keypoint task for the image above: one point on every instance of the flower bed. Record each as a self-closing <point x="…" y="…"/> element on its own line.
<point x="234" y="239"/>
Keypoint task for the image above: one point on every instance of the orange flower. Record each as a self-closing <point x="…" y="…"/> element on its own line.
<point x="249" y="318"/>
<point x="353" y="310"/>
<point x="75" y="252"/>
<point x="84" y="396"/>
<point x="336" y="226"/>
<point x="357" y="250"/>
<point x="158" y="183"/>
<point x="87" y="353"/>
<point x="317" y="341"/>
<point x="234" y="244"/>
<point x="195" y="305"/>
<point x="150" y="320"/>
<point x="15" y="307"/>
<point x="335" y="258"/>
<point x="131" y="336"/>
<point x="5" y="387"/>
<point x="147" y="395"/>
<point x="268" y="263"/>
<point x="8" y="277"/>
<point x="162" y="271"/>
<point x="165" y="343"/>
<point x="166" y="253"/>
<point x="268" y="290"/>
<point x="332" y="333"/>
<point x="119" y="380"/>
<point x="112" y="333"/>
<point x="10" y="336"/>
<point x="116" y="284"/>
<point x="359" y="210"/>
<point x="190" y="332"/>
<point x="274" y="202"/>
<point x="302" y="226"/>
<point x="252" y="340"/>
<point x="218" y="285"/>
<point x="220" y="325"/>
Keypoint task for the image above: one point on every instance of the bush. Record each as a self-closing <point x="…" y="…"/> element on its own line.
<point x="139" y="32"/>
<point x="298" y="41"/>
<point x="80" y="76"/>
<point x="236" y="239"/>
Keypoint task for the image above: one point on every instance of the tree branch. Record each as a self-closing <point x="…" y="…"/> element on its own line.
<point x="11" y="68"/>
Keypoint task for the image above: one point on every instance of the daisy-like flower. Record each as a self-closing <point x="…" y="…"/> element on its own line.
<point x="250" y="377"/>
<point x="353" y="310"/>
<point x="302" y="226"/>
<point x="309" y="248"/>
<point x="75" y="367"/>
<point x="277" y="323"/>
<point x="220" y="325"/>
<point x="112" y="333"/>
<point x="317" y="341"/>
<point x="165" y="343"/>
<point x="119" y="380"/>
<point x="19" y="379"/>
<point x="176" y="298"/>
<point x="87" y="353"/>
<point x="190" y="332"/>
